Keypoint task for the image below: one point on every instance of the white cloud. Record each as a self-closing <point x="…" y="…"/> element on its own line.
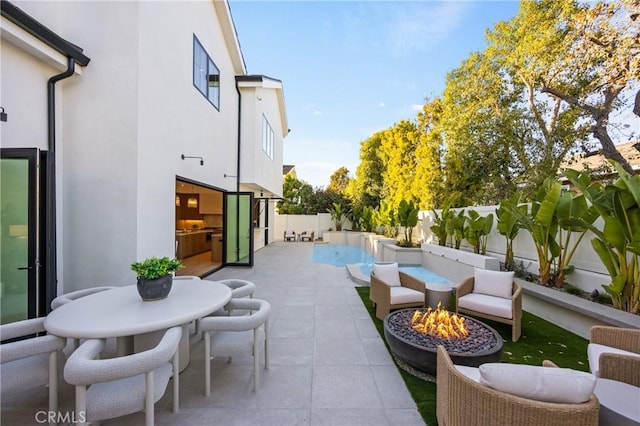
<point x="381" y="104"/>
<point x="317" y="113"/>
<point x="421" y="25"/>
<point x="416" y="107"/>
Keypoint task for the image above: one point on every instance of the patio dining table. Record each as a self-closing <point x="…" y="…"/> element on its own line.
<point x="121" y="313"/>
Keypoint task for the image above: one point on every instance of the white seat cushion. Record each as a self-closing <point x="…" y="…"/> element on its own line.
<point x="493" y="283"/>
<point x="491" y="305"/>
<point x="619" y="403"/>
<point x="594" y="351"/>
<point x="401" y="295"/>
<point x="548" y="384"/>
<point x="387" y="272"/>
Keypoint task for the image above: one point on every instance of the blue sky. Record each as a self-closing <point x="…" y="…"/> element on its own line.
<point x="352" y="68"/>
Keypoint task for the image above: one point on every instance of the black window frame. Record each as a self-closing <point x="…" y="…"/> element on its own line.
<point x="211" y="87"/>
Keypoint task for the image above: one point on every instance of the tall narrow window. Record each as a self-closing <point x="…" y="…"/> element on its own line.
<point x="267" y="137"/>
<point x="206" y="76"/>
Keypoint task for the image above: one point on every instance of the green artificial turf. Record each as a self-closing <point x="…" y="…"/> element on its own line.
<point x="540" y="340"/>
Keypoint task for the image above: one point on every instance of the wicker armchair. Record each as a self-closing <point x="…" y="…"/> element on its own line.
<point x="618" y="367"/>
<point x="381" y="294"/>
<point x="466" y="287"/>
<point x="308" y="235"/>
<point x="464" y="402"/>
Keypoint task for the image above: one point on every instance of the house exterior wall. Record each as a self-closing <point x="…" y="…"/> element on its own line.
<point x="123" y="123"/>
<point x="262" y="100"/>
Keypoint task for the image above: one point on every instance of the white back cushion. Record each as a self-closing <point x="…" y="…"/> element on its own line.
<point x="493" y="283"/>
<point x="387" y="272"/>
<point x="548" y="384"/>
<point x="594" y="351"/>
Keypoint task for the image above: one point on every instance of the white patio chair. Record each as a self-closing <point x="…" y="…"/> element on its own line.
<point x="69" y="297"/>
<point x="227" y="336"/>
<point x="108" y="388"/>
<point x="30" y="362"/>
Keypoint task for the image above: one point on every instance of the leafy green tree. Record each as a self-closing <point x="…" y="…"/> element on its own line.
<point x="339" y="180"/>
<point x="296" y="196"/>
<point x="581" y="56"/>
<point x="323" y="199"/>
<point x="481" y="121"/>
<point x="427" y="186"/>
<point x="367" y="187"/>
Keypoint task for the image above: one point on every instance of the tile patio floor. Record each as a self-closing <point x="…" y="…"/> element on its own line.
<point x="328" y="365"/>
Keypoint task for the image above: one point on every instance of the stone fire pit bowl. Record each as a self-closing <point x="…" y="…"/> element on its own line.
<point x="422" y="355"/>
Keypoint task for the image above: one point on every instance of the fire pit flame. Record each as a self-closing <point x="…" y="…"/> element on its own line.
<point x="439" y="323"/>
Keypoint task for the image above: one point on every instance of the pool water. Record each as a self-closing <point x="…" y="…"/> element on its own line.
<point x="338" y="255"/>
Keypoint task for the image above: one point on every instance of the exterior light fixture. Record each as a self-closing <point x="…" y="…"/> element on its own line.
<point x="3" y="115"/>
<point x="184" y="157"/>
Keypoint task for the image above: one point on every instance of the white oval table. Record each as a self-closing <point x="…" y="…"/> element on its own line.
<point x="121" y="312"/>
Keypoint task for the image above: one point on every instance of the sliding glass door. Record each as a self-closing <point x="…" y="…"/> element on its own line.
<point x="238" y="228"/>
<point x="18" y="234"/>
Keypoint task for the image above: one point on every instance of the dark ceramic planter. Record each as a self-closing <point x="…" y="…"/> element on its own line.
<point x="157" y="289"/>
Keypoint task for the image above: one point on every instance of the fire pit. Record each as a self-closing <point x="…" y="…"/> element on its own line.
<point x="414" y="334"/>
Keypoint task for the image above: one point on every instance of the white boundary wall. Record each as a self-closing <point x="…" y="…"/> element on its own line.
<point x="590" y="274"/>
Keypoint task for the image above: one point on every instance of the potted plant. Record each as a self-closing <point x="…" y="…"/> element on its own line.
<point x="155" y="276"/>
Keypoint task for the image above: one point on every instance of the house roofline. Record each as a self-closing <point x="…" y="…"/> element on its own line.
<point x="265" y="82"/>
<point x="16" y="15"/>
<point x="230" y="35"/>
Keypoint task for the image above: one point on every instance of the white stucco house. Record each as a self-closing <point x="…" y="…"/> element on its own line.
<point x="149" y="98"/>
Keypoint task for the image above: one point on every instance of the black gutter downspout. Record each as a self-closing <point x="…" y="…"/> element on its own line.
<point x="238" y="174"/>
<point x="50" y="260"/>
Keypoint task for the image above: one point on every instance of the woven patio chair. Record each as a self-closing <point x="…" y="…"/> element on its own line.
<point x="394" y="289"/>
<point x="492" y="302"/>
<point x="612" y="364"/>
<point x="461" y="401"/>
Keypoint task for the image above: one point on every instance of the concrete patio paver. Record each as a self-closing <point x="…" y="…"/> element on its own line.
<point x="328" y="365"/>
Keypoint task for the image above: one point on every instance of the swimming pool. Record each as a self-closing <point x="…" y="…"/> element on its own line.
<point x="339" y="255"/>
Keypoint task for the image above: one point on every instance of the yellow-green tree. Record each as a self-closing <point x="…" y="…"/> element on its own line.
<point x="339" y="180"/>
<point x="427" y="186"/>
<point x="398" y="153"/>
<point x="366" y="189"/>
